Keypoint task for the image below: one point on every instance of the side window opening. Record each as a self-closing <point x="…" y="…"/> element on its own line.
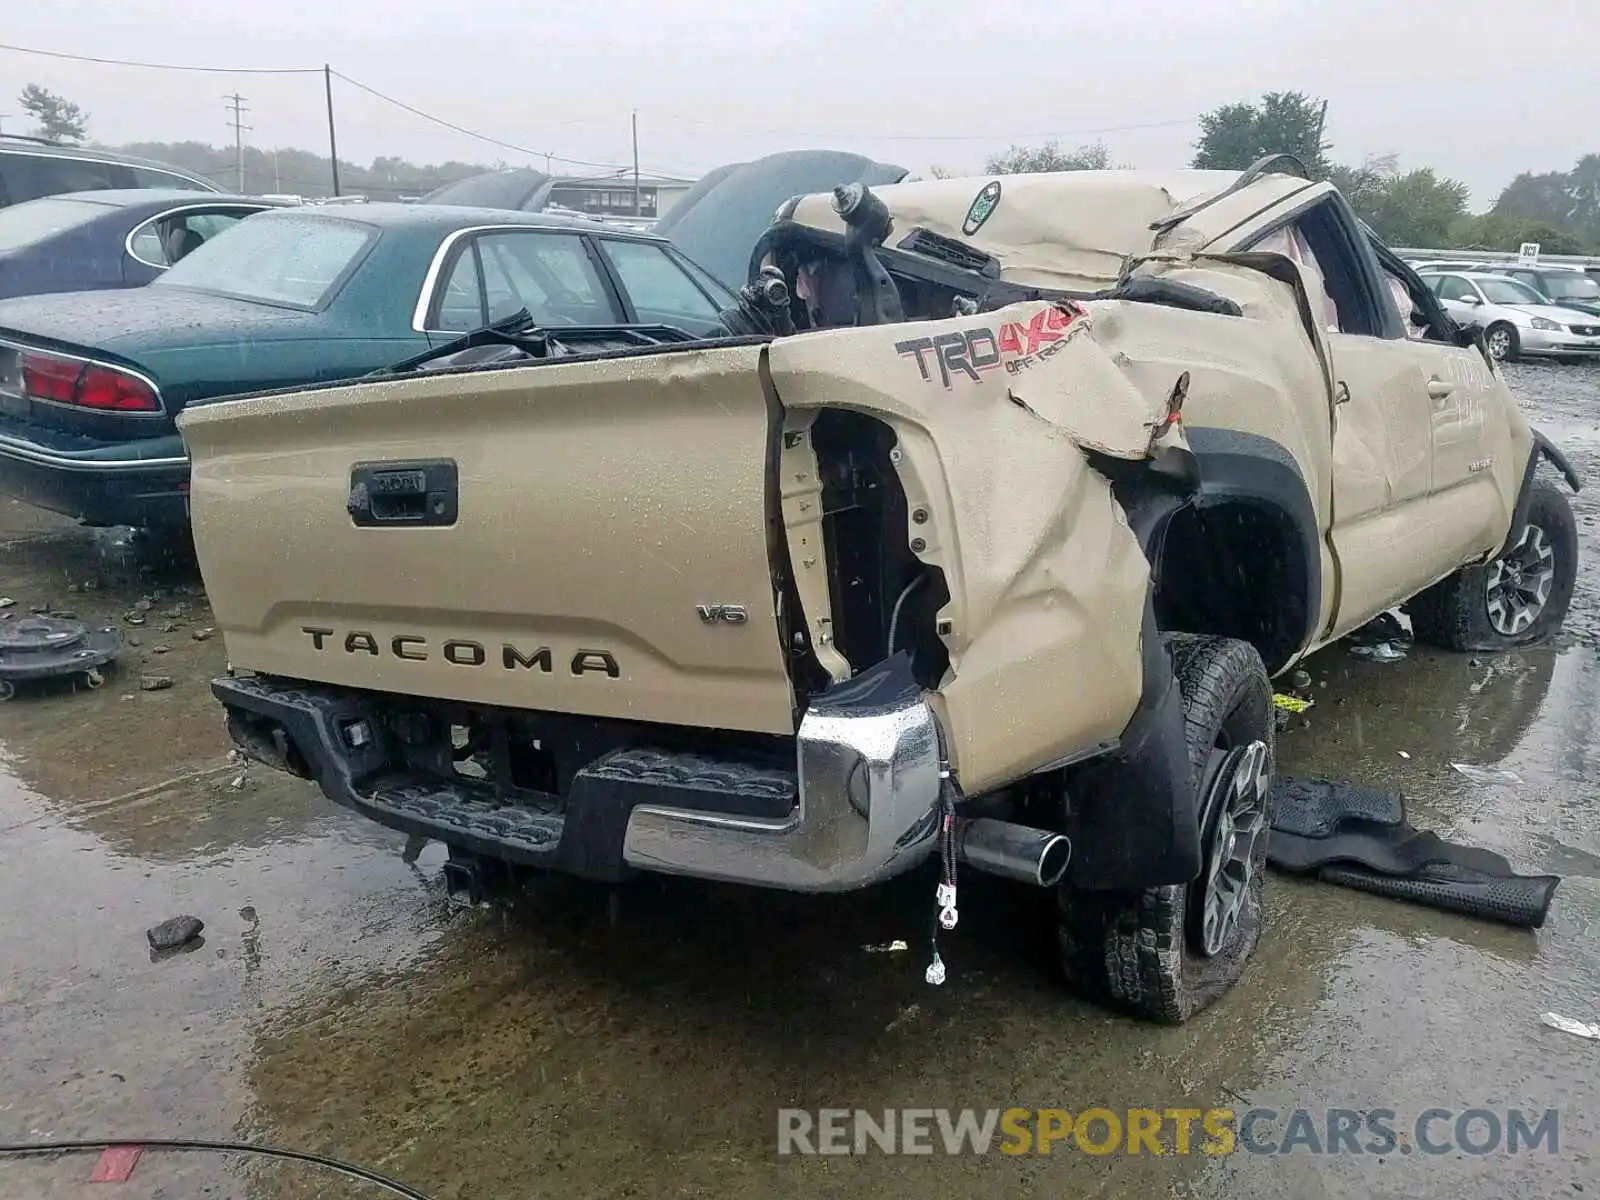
<point x="1358" y="310"/>
<point x="32" y="176"/>
<point x="1321" y="243"/>
<point x="660" y="289"/>
<point x="162" y="241"/>
<point x="460" y="305"/>
<point x="549" y="274"/>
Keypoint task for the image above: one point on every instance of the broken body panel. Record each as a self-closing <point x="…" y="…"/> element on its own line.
<point x="908" y="552"/>
<point x="585" y="567"/>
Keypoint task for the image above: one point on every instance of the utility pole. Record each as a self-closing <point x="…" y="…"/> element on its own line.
<point x="638" y="210"/>
<point x="1322" y="122"/>
<point x="237" y="106"/>
<point x="333" y="142"/>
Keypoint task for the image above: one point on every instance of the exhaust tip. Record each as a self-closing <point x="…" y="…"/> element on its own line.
<point x="1020" y="852"/>
<point x="1054" y="859"/>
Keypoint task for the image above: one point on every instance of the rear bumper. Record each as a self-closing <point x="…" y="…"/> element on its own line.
<point x="859" y="806"/>
<point x="139" y="483"/>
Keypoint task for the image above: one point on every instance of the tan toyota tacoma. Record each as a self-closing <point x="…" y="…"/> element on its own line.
<point x="975" y="543"/>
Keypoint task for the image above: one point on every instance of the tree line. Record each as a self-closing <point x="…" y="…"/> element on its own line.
<point x="1417" y="207"/>
<point x="299" y="172"/>
<point x="1414" y="207"/>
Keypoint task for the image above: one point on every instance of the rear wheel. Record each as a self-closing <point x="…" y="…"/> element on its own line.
<point x="1166" y="953"/>
<point x="1516" y="600"/>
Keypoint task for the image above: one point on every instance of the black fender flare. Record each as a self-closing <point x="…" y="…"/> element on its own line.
<point x="1247" y="468"/>
<point x="1545" y="449"/>
<point x="1135" y="812"/>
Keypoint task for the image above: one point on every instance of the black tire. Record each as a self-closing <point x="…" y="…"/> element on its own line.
<point x="1504" y="334"/>
<point x="1136" y="951"/>
<point x="1457" y="614"/>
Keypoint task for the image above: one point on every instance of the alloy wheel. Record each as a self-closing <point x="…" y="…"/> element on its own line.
<point x="1238" y="796"/>
<point x="1519" y="583"/>
<point x="1499" y="344"/>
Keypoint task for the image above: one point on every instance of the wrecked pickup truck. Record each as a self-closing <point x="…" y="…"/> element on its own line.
<point x="975" y="544"/>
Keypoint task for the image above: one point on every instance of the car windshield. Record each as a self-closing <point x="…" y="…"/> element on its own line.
<point x="1508" y="291"/>
<point x="1571" y="285"/>
<point x="24" y="224"/>
<point x="298" y="260"/>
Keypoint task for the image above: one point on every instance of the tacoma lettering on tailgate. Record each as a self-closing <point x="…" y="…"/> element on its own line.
<point x="463" y="652"/>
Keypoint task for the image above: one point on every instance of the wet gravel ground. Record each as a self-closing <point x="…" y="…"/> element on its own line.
<point x="573" y="1049"/>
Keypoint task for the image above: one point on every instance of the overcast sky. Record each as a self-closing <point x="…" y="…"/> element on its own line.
<point x="919" y="82"/>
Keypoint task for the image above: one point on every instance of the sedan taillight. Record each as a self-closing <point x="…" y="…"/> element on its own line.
<point x="60" y="380"/>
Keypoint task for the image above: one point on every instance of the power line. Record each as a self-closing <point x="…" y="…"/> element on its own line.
<point x="155" y="66"/>
<point x="472" y="133"/>
<point x="932" y="137"/>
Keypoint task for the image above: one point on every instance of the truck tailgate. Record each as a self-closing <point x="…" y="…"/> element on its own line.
<point x="607" y="532"/>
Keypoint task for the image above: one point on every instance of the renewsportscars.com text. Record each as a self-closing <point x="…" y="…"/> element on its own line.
<point x="1174" y="1131"/>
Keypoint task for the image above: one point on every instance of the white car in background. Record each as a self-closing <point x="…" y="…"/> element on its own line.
<point x="1515" y="319"/>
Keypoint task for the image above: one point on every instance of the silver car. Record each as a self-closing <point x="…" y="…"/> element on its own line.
<point x="1515" y="319"/>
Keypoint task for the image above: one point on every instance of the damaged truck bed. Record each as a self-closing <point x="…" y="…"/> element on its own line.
<point x="951" y="550"/>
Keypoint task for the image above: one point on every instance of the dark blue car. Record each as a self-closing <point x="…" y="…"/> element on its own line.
<point x="88" y="241"/>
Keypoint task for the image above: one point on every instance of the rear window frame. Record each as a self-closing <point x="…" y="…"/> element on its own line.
<point x="329" y="294"/>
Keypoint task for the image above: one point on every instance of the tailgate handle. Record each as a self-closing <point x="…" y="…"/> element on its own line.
<point x="403" y="493"/>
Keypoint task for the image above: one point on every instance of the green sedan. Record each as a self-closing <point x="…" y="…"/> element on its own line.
<point x="90" y="381"/>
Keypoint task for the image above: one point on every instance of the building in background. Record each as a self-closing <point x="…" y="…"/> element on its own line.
<point x="528" y="190"/>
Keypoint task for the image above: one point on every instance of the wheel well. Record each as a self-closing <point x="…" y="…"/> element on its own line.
<point x="1237" y="567"/>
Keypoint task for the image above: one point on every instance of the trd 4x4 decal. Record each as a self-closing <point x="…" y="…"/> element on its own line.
<point x="1013" y="345"/>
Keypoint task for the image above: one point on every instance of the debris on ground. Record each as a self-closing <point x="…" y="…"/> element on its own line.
<point x="1568" y="1025"/>
<point x="115" y="1164"/>
<point x="1487" y="774"/>
<point x="201" y="635"/>
<point x="154" y="683"/>
<point x="1402" y="754"/>
<point x="1300" y="680"/>
<point x="908" y="1013"/>
<point x="6" y="602"/>
<point x="174" y="932"/>
<point x="39" y="648"/>
<point x="1383" y="639"/>
<point x="1359" y="837"/>
<point x="236" y="782"/>
<point x="886" y="947"/>
<point x="1285" y="707"/>
<point x="161" y="649"/>
<point x="1382" y="652"/>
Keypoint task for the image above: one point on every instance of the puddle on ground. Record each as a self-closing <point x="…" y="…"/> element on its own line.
<point x="339" y="1005"/>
